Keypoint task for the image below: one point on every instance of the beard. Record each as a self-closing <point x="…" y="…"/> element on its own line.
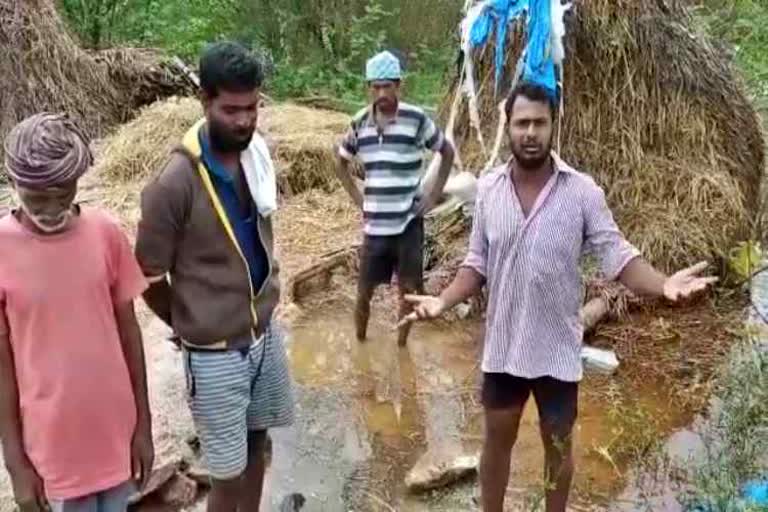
<point x="386" y="105"/>
<point x="224" y="141"/>
<point x="51" y="226"/>
<point x="45" y="223"/>
<point x="530" y="157"/>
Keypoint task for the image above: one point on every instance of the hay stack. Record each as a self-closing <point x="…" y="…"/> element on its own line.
<point x="657" y="115"/>
<point x="139" y="148"/>
<point x="41" y="68"/>
<point x="145" y="75"/>
<point x="301" y="139"/>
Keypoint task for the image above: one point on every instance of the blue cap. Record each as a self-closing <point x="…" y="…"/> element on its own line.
<point x="383" y="66"/>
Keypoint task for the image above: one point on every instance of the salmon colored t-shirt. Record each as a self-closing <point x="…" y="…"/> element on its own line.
<point x="57" y="298"/>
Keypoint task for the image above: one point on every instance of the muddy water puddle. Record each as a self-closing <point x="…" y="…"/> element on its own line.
<point x="367" y="413"/>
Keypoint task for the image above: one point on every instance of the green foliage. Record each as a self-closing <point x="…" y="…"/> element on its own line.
<point x="315" y="47"/>
<point x="319" y="46"/>
<point x="94" y="20"/>
<point x="745" y="258"/>
<point x="326" y="56"/>
<point x="181" y="27"/>
<point x="743" y="24"/>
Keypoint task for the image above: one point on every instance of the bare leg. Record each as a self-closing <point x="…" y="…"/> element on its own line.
<point x="500" y="435"/>
<point x="363" y="310"/>
<point x="405" y="308"/>
<point x="253" y="478"/>
<point x="224" y="495"/>
<point x="558" y="468"/>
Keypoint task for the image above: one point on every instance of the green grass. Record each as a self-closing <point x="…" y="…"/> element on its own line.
<point x="743" y="25"/>
<point x="312" y="51"/>
<point x="425" y="85"/>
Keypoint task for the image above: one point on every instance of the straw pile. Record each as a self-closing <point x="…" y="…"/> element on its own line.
<point x="304" y="139"/>
<point x="301" y="138"/>
<point x="656" y="114"/>
<point x="314" y="223"/>
<point x="144" y="75"/>
<point x="138" y="149"/>
<point x="41" y="68"/>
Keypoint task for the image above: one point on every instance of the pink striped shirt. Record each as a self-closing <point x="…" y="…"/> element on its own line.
<point x="531" y="266"/>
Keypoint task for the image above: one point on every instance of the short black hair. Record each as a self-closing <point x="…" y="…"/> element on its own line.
<point x="533" y="92"/>
<point x="229" y="66"/>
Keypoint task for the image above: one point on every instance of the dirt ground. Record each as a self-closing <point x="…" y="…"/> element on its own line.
<point x="367" y="413"/>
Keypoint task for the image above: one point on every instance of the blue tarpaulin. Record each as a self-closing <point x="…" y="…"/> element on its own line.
<point x="538" y="66"/>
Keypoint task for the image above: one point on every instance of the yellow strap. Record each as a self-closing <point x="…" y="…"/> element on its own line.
<point x="191" y="141"/>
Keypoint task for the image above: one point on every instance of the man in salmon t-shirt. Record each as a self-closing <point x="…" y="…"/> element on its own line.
<point x="74" y="416"/>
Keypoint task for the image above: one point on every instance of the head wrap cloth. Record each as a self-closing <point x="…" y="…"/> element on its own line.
<point x="383" y="66"/>
<point x="46" y="150"/>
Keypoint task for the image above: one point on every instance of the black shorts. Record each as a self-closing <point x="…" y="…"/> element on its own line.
<point x="556" y="400"/>
<point x="382" y="256"/>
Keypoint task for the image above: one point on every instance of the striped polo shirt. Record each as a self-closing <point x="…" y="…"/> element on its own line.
<point x="392" y="155"/>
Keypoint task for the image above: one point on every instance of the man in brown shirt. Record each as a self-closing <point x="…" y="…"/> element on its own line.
<point x="202" y="228"/>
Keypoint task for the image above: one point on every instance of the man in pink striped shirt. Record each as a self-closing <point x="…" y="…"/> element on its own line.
<point x="534" y="219"/>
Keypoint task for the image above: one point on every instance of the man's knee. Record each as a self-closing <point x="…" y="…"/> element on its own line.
<point x="557" y="439"/>
<point x="501" y="426"/>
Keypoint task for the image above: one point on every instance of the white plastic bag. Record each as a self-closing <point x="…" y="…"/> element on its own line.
<point x="599" y="360"/>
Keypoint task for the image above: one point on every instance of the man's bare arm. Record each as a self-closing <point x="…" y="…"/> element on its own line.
<point x="142" y="451"/>
<point x="158" y="298"/>
<point x="467" y="283"/>
<point x="10" y="422"/>
<point x="432" y="196"/>
<point x="133" y="351"/>
<point x="640" y="277"/>
<point x="27" y="485"/>
<point x="347" y="180"/>
<point x="643" y="279"/>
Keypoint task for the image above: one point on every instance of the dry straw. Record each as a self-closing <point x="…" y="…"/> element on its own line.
<point x="42" y="68"/>
<point x="655" y="113"/>
<point x="303" y="141"/>
<point x="301" y="138"/>
<point x="314" y="223"/>
<point x="139" y="148"/>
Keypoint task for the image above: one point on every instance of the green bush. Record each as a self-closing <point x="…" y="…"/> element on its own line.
<point x="316" y="47"/>
<point x="743" y="25"/>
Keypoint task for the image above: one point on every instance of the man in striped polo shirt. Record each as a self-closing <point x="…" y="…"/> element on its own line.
<point x="389" y="137"/>
<point x="535" y="217"/>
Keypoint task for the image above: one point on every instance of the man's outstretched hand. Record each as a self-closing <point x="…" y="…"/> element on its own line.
<point x="687" y="282"/>
<point x="425" y="307"/>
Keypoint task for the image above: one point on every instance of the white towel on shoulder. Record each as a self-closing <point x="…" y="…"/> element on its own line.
<point x="260" y="175"/>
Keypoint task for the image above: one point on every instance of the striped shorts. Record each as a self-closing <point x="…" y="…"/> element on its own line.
<point x="111" y="500"/>
<point x="233" y="392"/>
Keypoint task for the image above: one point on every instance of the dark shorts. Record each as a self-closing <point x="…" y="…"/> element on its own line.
<point x="383" y="256"/>
<point x="556" y="400"/>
